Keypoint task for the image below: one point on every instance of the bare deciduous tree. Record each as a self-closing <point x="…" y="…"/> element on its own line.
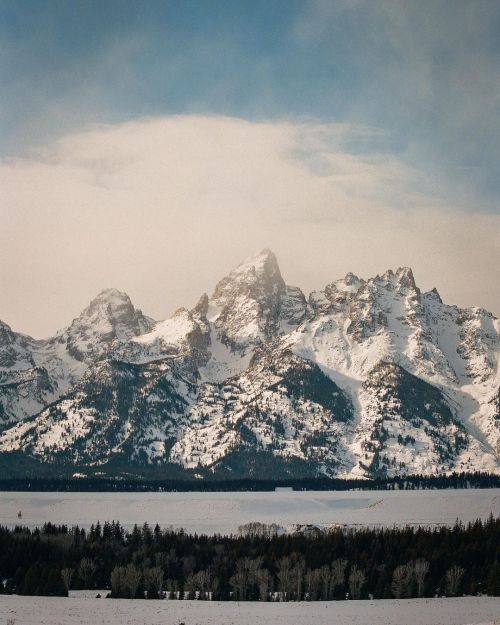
<point x="421" y="568"/>
<point x="356" y="581"/>
<point x="133" y="577"/>
<point x="402" y="580"/>
<point x="153" y="578"/>
<point x="203" y="582"/>
<point x="453" y="578"/>
<point x="67" y="576"/>
<point x="339" y="567"/>
<point x="325" y="577"/>
<point x="264" y="530"/>
<point x="125" y="581"/>
<point x="118" y="581"/>
<point x="285" y="578"/>
<point x="246" y="577"/>
<point x="297" y="573"/>
<point x="313" y="584"/>
<point x="264" y="581"/>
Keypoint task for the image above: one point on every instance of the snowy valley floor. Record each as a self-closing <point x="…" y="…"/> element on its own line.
<point x="224" y="512"/>
<point x="83" y="610"/>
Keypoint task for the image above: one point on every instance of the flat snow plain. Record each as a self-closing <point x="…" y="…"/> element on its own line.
<point x="224" y="512"/>
<point x="81" y="610"/>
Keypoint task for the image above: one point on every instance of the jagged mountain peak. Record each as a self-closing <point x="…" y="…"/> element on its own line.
<point x="337" y="294"/>
<point x="406" y="278"/>
<point x="109" y="317"/>
<point x="402" y="278"/>
<point x="259" y="271"/>
<point x="111" y="294"/>
<point x="260" y="261"/>
<point x="6" y="334"/>
<point x="434" y="294"/>
<point x="350" y="284"/>
<point x="253" y="304"/>
<point x="404" y="271"/>
<point x="351" y="278"/>
<point x="355" y="291"/>
<point x="201" y="308"/>
<point x="14" y="349"/>
<point x="110" y="303"/>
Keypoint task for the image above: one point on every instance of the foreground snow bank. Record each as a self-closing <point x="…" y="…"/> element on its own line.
<point x="83" y="610"/>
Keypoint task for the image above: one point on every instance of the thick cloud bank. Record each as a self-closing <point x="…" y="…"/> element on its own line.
<point x="163" y="207"/>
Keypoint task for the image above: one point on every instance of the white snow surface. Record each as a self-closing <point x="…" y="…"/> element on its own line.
<point x="222" y="513"/>
<point x="82" y="609"/>
<point x="169" y="336"/>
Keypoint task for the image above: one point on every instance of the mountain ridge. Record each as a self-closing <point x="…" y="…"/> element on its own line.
<point x="367" y="377"/>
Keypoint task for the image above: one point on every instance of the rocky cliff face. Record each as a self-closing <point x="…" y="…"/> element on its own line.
<point x="110" y="319"/>
<point x="365" y="378"/>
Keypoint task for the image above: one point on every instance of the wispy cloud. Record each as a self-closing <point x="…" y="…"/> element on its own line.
<point x="428" y="72"/>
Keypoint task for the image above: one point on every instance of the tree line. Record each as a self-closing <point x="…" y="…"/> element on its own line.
<point x="258" y="564"/>
<point x="108" y="484"/>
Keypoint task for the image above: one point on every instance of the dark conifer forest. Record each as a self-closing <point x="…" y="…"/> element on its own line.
<point x="131" y="484"/>
<point x="257" y="564"/>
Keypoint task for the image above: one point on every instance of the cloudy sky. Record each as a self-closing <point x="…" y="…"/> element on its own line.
<point x="151" y="146"/>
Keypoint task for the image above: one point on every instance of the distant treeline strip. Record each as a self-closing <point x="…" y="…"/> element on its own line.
<point x="258" y="564"/>
<point x="105" y="484"/>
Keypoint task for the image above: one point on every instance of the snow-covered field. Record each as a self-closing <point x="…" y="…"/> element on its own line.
<point x="78" y="610"/>
<point x="224" y="512"/>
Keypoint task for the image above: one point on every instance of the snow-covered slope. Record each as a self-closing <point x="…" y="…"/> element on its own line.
<point x="34" y="373"/>
<point x="280" y="410"/>
<point x="367" y="377"/>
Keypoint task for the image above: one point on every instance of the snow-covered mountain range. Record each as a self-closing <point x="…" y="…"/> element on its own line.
<point x="364" y="378"/>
